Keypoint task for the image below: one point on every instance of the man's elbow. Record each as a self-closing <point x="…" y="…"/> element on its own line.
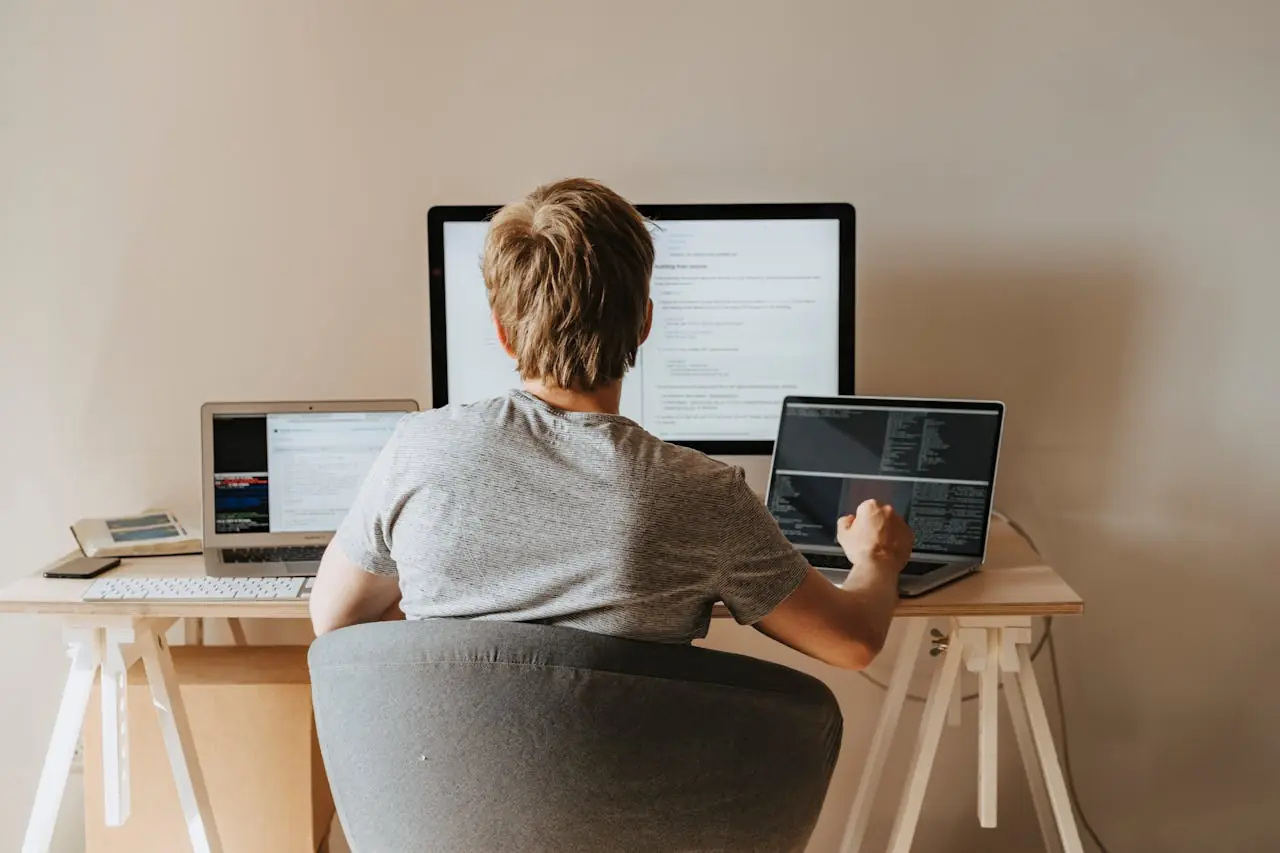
<point x="856" y="654"/>
<point x="321" y="626"/>
<point x="323" y="619"/>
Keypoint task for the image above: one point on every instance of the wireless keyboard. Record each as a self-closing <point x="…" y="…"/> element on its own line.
<point x="198" y="589"/>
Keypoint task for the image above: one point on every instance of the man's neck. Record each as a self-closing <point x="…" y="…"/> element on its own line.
<point x="605" y="400"/>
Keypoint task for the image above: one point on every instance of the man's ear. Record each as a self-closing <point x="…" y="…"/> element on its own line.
<point x="502" y="336"/>
<point x="648" y="321"/>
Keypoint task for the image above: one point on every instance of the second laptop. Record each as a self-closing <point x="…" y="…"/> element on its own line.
<point x="278" y="478"/>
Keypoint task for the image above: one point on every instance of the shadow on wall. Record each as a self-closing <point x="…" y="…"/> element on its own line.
<point x="1181" y="713"/>
<point x="1053" y="335"/>
<point x="1166" y="678"/>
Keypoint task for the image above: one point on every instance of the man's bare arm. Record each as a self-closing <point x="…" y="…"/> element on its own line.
<point x="345" y="594"/>
<point x="846" y="625"/>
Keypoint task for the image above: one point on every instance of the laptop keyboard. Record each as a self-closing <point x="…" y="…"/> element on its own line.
<point x="829" y="561"/>
<point x="840" y="562"/>
<point x="275" y="554"/>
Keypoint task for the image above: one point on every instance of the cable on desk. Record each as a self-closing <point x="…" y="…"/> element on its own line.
<point x="1046" y="639"/>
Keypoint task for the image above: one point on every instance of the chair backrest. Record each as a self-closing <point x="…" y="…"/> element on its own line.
<point x="482" y="736"/>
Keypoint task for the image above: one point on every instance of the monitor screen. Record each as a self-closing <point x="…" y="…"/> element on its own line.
<point x="934" y="462"/>
<point x="751" y="303"/>
<point x="296" y="472"/>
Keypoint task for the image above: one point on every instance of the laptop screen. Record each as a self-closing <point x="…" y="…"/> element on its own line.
<point x="933" y="461"/>
<point x="295" y="472"/>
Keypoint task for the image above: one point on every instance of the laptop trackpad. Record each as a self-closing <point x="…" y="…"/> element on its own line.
<point x="912" y="569"/>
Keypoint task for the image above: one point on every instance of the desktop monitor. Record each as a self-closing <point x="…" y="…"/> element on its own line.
<point x="751" y="303"/>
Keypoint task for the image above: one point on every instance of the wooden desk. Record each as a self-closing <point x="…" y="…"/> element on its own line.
<point x="1014" y="582"/>
<point x="990" y="630"/>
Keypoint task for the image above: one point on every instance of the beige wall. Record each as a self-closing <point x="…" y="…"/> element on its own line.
<point x="1071" y="206"/>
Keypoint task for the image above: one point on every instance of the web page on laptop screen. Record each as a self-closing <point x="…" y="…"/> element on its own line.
<point x="933" y="466"/>
<point x="293" y="473"/>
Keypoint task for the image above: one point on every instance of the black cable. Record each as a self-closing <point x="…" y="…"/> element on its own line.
<point x="1066" y="750"/>
<point x="1062" y="709"/>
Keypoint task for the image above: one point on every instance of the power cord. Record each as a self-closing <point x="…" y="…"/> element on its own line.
<point x="1046" y="639"/>
<point x="1066" y="751"/>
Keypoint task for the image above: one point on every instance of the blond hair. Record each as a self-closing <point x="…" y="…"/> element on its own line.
<point x="567" y="273"/>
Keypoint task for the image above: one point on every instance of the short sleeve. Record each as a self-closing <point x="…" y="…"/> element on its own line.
<point x="364" y="535"/>
<point x="759" y="567"/>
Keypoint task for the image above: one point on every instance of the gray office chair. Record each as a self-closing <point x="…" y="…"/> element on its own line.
<point x="484" y="737"/>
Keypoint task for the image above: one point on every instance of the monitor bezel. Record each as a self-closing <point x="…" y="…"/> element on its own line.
<point x="843" y="212"/>
<point x="929" y="404"/>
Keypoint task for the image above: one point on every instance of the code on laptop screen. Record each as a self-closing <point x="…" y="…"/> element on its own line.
<point x="935" y="467"/>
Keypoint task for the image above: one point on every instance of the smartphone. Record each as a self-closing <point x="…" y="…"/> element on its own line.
<point x="83" y="567"/>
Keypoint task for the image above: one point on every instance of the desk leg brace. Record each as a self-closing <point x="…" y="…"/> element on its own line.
<point x="115" y="726"/>
<point x="935" y="714"/>
<point x="85" y="648"/>
<point x="886" y="726"/>
<point x="996" y="650"/>
<point x="1026" y="708"/>
<point x="982" y="650"/>
<point x="112" y="650"/>
<point x="178" y="742"/>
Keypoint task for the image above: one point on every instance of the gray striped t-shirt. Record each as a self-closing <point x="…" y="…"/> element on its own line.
<point x="512" y="509"/>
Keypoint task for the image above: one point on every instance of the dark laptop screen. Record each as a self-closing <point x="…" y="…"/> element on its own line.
<point x="932" y="461"/>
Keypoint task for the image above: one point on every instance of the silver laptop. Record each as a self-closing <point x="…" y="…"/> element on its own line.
<point x="933" y="461"/>
<point x="278" y="478"/>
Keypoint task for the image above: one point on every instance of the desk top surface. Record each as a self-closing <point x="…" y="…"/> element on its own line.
<point x="1013" y="582"/>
